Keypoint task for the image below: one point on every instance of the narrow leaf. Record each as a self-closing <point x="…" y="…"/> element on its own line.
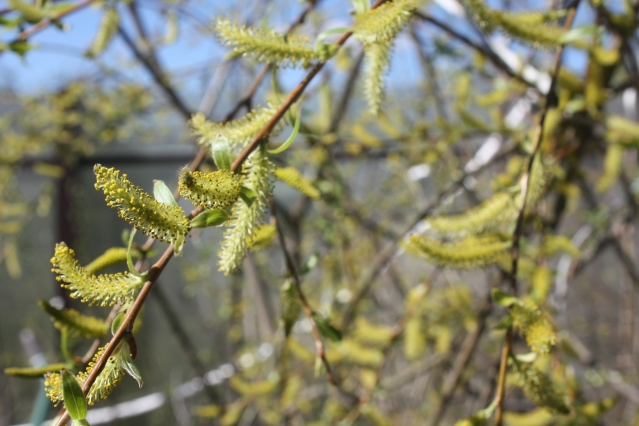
<point x="73" y="396"/>
<point x="163" y="194"/>
<point x="502" y="298"/>
<point x="222" y="152"/>
<point x="210" y="218"/>
<point x="117" y="321"/>
<point x="289" y="141"/>
<point x="326" y="329"/>
<point x="248" y="195"/>
<point x="128" y="365"/>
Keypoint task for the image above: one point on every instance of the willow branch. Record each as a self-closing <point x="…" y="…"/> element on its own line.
<point x="158" y="267"/>
<point x="45" y="23"/>
<point x="551" y="101"/>
<point x="308" y="310"/>
<point x="484" y="51"/>
<point x="156" y="72"/>
<point x="292" y="97"/>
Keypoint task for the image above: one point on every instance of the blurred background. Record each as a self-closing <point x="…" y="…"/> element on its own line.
<point x="458" y="105"/>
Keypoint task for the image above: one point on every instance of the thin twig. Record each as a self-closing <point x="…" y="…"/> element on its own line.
<point x="551" y="101"/>
<point x="292" y="97"/>
<point x="396" y="332"/>
<point x="440" y="105"/>
<point x="485" y="51"/>
<point x="160" y="78"/>
<point x="464" y="355"/>
<point x="24" y="35"/>
<point x="308" y="310"/>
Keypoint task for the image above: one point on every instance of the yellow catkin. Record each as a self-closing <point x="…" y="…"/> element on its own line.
<point x="106" y="31"/>
<point x="292" y="177"/>
<point x="104" y="384"/>
<point x="370" y="333"/>
<point x="383" y="23"/>
<point x="155" y="219"/>
<point x="102" y="290"/>
<point x="244" y="218"/>
<point x="414" y="338"/>
<point x="612" y="167"/>
<point x="268" y="46"/>
<point x="264" y="237"/>
<point x="290" y="306"/>
<point x="492" y="215"/>
<point x="76" y="324"/>
<point x="238" y="132"/>
<point x="540" y="390"/>
<point x="528" y="26"/>
<point x="376" y="64"/>
<point x="33" y="372"/>
<point x="214" y="190"/>
<point x="468" y="253"/>
<point x="111" y="257"/>
<point x="535" y="326"/>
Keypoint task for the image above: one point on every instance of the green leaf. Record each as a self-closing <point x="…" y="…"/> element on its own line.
<point x="325" y="34"/>
<point x="210" y="218"/>
<point x="34" y="372"/>
<point x="82" y="422"/>
<point x="222" y="152"/>
<point x="21" y="47"/>
<point x="128" y="365"/>
<point x="73" y="396"/>
<point x="117" y="321"/>
<point x="247" y="195"/>
<point x="163" y="194"/>
<point x="326" y="329"/>
<point x="504" y="323"/>
<point x="578" y="33"/>
<point x="126" y="233"/>
<point x="289" y="141"/>
<point x="129" y="259"/>
<point x="361" y="6"/>
<point x="504" y="299"/>
<point x="30" y="12"/>
<point x="310" y="264"/>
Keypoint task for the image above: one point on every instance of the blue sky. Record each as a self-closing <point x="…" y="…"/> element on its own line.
<point x="59" y="56"/>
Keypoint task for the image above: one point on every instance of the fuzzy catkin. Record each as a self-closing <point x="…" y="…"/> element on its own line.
<point x="468" y="253"/>
<point x="111" y="257"/>
<point x="214" y="190"/>
<point x="152" y="218"/>
<point x="267" y="46"/>
<point x="540" y="389"/>
<point x="493" y="214"/>
<point x="106" y="31"/>
<point x="239" y="132"/>
<point x="245" y="219"/>
<point x="383" y="23"/>
<point x="535" y="326"/>
<point x="102" y="290"/>
<point x="104" y="384"/>
<point x="292" y="177"/>
<point x="76" y="324"/>
<point x="376" y="64"/>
